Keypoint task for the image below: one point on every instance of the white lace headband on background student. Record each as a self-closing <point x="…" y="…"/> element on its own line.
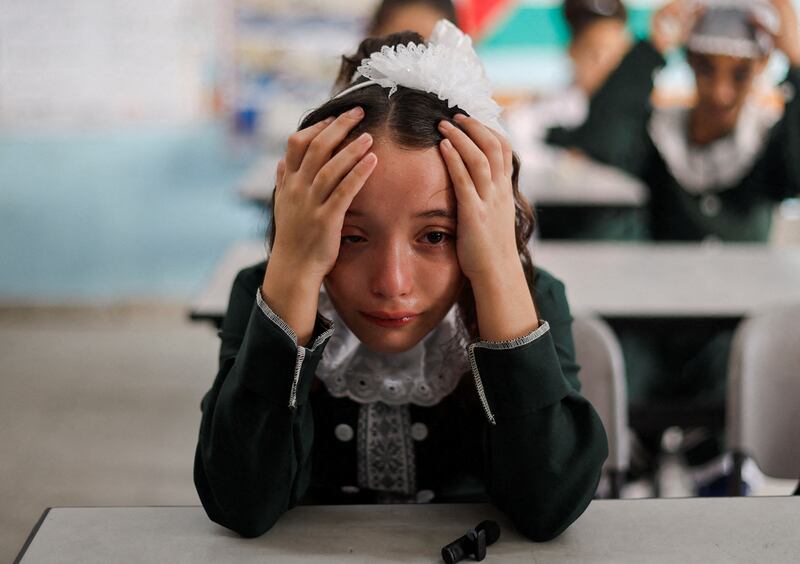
<point x="447" y="66"/>
<point x="725" y="28"/>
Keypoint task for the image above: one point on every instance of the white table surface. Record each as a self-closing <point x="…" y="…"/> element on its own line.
<point x="573" y="181"/>
<point x="746" y="530"/>
<point x="620" y="279"/>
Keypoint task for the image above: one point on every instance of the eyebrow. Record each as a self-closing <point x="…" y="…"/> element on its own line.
<point x="430" y="213"/>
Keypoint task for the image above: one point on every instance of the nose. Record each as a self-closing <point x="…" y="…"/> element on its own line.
<point x="724" y="93"/>
<point x="392" y="275"/>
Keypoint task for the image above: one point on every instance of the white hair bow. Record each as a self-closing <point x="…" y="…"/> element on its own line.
<point x="446" y="66"/>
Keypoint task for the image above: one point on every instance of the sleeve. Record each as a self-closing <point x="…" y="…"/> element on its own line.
<point x="546" y="444"/>
<point x="777" y="173"/>
<point x="253" y="457"/>
<point x="615" y="130"/>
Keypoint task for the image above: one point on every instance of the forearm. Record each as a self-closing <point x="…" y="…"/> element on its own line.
<point x="251" y="463"/>
<point x="504" y="304"/>
<point x="777" y="172"/>
<point x="545" y="466"/>
<point x="547" y="446"/>
<point x="253" y="454"/>
<point x="791" y="142"/>
<point x="615" y="130"/>
<point x="293" y="294"/>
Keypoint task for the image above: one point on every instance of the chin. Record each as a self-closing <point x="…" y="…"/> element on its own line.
<point x="389" y="345"/>
<point x="389" y="342"/>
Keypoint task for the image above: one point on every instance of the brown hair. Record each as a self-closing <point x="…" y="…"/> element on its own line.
<point x="387" y="8"/>
<point x="581" y="13"/>
<point x="410" y="119"/>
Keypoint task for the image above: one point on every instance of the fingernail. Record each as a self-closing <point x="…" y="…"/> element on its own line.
<point x="460" y="117"/>
<point x="371" y="158"/>
<point x="444" y="124"/>
<point x="328" y="120"/>
<point x="446" y="144"/>
<point x="355" y="112"/>
<point x="363" y="138"/>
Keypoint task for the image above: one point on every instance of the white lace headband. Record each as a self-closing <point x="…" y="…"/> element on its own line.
<point x="447" y="66"/>
<point x="725" y="28"/>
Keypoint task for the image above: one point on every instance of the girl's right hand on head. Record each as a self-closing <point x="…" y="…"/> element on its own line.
<point x="314" y="189"/>
<point x="673" y="23"/>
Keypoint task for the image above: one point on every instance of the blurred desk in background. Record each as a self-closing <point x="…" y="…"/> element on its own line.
<point x="574" y="181"/>
<point x="617" y="280"/>
<point x="707" y="531"/>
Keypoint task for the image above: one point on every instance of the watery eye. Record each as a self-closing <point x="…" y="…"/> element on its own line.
<point x="435" y="237"/>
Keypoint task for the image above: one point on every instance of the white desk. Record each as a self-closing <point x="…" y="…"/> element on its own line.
<point x="619" y="279"/>
<point x="746" y="530"/>
<point x="573" y="181"/>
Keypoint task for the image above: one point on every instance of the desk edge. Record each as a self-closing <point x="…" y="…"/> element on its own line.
<point x="31" y="536"/>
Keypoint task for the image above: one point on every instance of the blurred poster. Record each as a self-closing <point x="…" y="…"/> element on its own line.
<point x="479" y="17"/>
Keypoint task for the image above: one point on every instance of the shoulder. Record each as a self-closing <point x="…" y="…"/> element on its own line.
<point x="242" y="297"/>
<point x="550" y="296"/>
<point x="250" y="278"/>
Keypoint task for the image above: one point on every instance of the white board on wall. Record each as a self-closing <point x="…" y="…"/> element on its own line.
<point x="104" y="62"/>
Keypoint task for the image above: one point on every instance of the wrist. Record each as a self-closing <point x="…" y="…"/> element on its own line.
<point x="293" y="297"/>
<point x="504" y="304"/>
<point x="286" y="269"/>
<point x="500" y="277"/>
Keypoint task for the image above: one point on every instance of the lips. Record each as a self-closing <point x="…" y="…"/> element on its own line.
<point x="390" y="319"/>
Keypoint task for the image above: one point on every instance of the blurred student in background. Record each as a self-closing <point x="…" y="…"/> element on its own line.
<point x="397" y="16"/>
<point x="715" y="170"/>
<point x="599" y="39"/>
<point x="394" y="16"/>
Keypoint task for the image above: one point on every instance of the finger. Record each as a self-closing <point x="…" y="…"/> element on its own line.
<point x="462" y="181"/>
<point x="332" y="172"/>
<point x="323" y="145"/>
<point x="298" y="143"/>
<point x="759" y="26"/>
<point x="472" y="157"/>
<point x="508" y="152"/>
<point x="488" y="143"/>
<point x="280" y="171"/>
<point x="342" y="196"/>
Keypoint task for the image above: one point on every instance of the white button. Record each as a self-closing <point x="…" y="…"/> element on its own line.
<point x="710" y="205"/>
<point x="350" y="489"/>
<point x="344" y="432"/>
<point x="425" y="496"/>
<point x="419" y="431"/>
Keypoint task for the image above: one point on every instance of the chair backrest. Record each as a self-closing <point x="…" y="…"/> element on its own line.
<point x="763" y="411"/>
<point x="602" y="378"/>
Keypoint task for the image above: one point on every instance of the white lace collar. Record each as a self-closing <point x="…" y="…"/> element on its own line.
<point x="423" y="375"/>
<point x="720" y="165"/>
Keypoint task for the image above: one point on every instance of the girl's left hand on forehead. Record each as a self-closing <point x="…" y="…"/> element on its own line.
<point x="787" y="37"/>
<point x="480" y="163"/>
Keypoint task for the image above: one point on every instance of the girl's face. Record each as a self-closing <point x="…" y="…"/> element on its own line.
<point x="597" y="51"/>
<point x="397" y="274"/>
<point x="723" y="85"/>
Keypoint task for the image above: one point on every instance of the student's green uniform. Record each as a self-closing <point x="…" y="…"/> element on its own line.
<point x="692" y="363"/>
<point x="256" y="458"/>
<point x="616" y="133"/>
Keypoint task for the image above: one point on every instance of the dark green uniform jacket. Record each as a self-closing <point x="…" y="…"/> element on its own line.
<point x="616" y="133"/>
<point x="535" y="449"/>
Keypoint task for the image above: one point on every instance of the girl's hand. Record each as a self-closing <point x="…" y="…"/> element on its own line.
<point x="480" y="163"/>
<point x="672" y="25"/>
<point x="314" y="189"/>
<point x="787" y="38"/>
